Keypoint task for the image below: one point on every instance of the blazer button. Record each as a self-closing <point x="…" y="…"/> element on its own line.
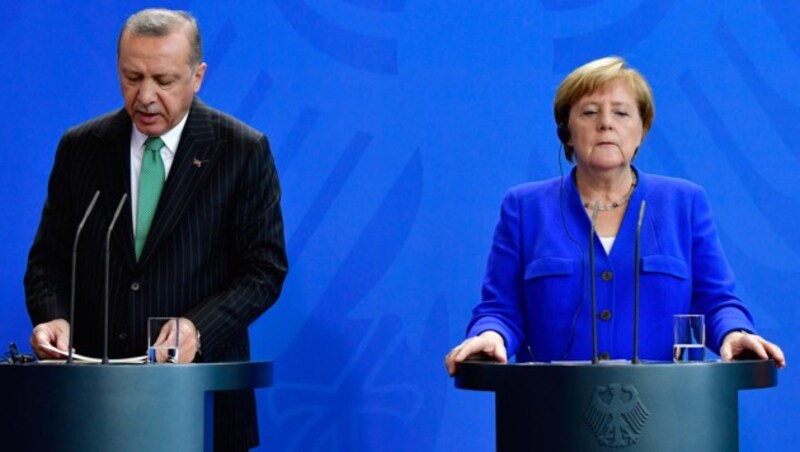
<point x="122" y="336"/>
<point x="605" y="314"/>
<point x="604" y="356"/>
<point x="135" y="286"/>
<point x="607" y="276"/>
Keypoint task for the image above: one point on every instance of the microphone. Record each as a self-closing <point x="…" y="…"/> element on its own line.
<point x="74" y="265"/>
<point x="595" y="211"/>
<point x="637" y="253"/>
<point x="108" y="258"/>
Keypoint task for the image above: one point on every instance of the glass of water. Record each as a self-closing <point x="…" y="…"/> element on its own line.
<point x="163" y="340"/>
<point x="690" y="338"/>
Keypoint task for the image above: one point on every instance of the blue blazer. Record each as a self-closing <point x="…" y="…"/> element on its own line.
<point x="536" y="292"/>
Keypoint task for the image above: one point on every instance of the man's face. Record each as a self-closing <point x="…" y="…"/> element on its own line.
<point x="158" y="84"/>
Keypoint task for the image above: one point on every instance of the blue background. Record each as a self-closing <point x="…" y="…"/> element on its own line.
<point x="397" y="125"/>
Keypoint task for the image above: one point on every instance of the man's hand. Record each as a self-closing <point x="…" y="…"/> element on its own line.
<point x="55" y="333"/>
<point x="188" y="340"/>
<point x="737" y="343"/>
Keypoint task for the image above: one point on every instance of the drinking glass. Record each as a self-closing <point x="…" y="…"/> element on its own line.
<point x="689" y="344"/>
<point x="163" y="340"/>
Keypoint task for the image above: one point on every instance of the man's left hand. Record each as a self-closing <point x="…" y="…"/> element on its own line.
<point x="188" y="340"/>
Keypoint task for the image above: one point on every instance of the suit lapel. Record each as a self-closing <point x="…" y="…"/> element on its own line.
<point x="195" y="156"/>
<point x="113" y="169"/>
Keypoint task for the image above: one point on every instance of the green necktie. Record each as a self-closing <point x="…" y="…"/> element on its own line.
<point x="151" y="182"/>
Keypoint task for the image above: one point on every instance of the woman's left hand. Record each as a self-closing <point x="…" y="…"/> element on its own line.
<point x="738" y="342"/>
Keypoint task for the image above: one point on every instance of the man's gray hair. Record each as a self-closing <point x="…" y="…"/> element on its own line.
<point x="163" y="22"/>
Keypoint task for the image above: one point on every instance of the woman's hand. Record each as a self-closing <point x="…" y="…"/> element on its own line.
<point x="737" y="343"/>
<point x="489" y="343"/>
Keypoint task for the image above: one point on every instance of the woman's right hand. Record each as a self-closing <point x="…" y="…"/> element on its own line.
<point x="489" y="343"/>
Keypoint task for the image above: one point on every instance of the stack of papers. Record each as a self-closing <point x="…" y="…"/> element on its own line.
<point x="89" y="360"/>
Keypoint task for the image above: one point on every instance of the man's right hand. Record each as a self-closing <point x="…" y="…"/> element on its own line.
<point x="55" y="333"/>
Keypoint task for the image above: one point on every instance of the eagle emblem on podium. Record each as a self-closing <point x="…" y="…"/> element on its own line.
<point x="616" y="415"/>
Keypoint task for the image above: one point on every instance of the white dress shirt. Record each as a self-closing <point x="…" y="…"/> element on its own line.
<point x="608" y="243"/>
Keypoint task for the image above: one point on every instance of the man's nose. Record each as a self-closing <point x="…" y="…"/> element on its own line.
<point x="147" y="92"/>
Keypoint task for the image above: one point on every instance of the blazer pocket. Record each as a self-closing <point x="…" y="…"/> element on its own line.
<point x="549" y="266"/>
<point x="667" y="265"/>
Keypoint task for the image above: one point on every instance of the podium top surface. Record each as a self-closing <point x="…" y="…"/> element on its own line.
<point x="497" y="377"/>
<point x="203" y="377"/>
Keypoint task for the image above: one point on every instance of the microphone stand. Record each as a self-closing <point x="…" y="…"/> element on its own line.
<point x="73" y="277"/>
<point x="637" y="254"/>
<point x="595" y="211"/>
<point x="108" y="258"/>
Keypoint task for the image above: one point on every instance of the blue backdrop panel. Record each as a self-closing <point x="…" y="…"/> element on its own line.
<point x="397" y="125"/>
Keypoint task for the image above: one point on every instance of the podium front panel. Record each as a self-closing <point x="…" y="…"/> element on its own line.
<point x="623" y="407"/>
<point x="86" y="407"/>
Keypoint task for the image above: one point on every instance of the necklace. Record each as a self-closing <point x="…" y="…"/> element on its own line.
<point x="620" y="201"/>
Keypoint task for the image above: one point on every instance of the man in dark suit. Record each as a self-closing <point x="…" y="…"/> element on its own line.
<point x="201" y="237"/>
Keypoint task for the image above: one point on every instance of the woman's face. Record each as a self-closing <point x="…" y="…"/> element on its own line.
<point x="605" y="127"/>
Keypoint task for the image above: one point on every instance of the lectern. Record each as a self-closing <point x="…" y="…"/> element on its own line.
<point x="87" y="407"/>
<point x="617" y="406"/>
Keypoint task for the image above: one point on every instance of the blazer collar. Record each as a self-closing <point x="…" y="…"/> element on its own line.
<point x="629" y="221"/>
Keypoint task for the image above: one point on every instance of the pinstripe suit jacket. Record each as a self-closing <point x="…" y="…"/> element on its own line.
<point x="215" y="253"/>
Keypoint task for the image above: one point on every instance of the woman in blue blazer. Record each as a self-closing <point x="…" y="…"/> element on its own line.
<point x="536" y="292"/>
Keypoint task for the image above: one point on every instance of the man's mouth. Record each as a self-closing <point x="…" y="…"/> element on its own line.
<point x="147" y="117"/>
